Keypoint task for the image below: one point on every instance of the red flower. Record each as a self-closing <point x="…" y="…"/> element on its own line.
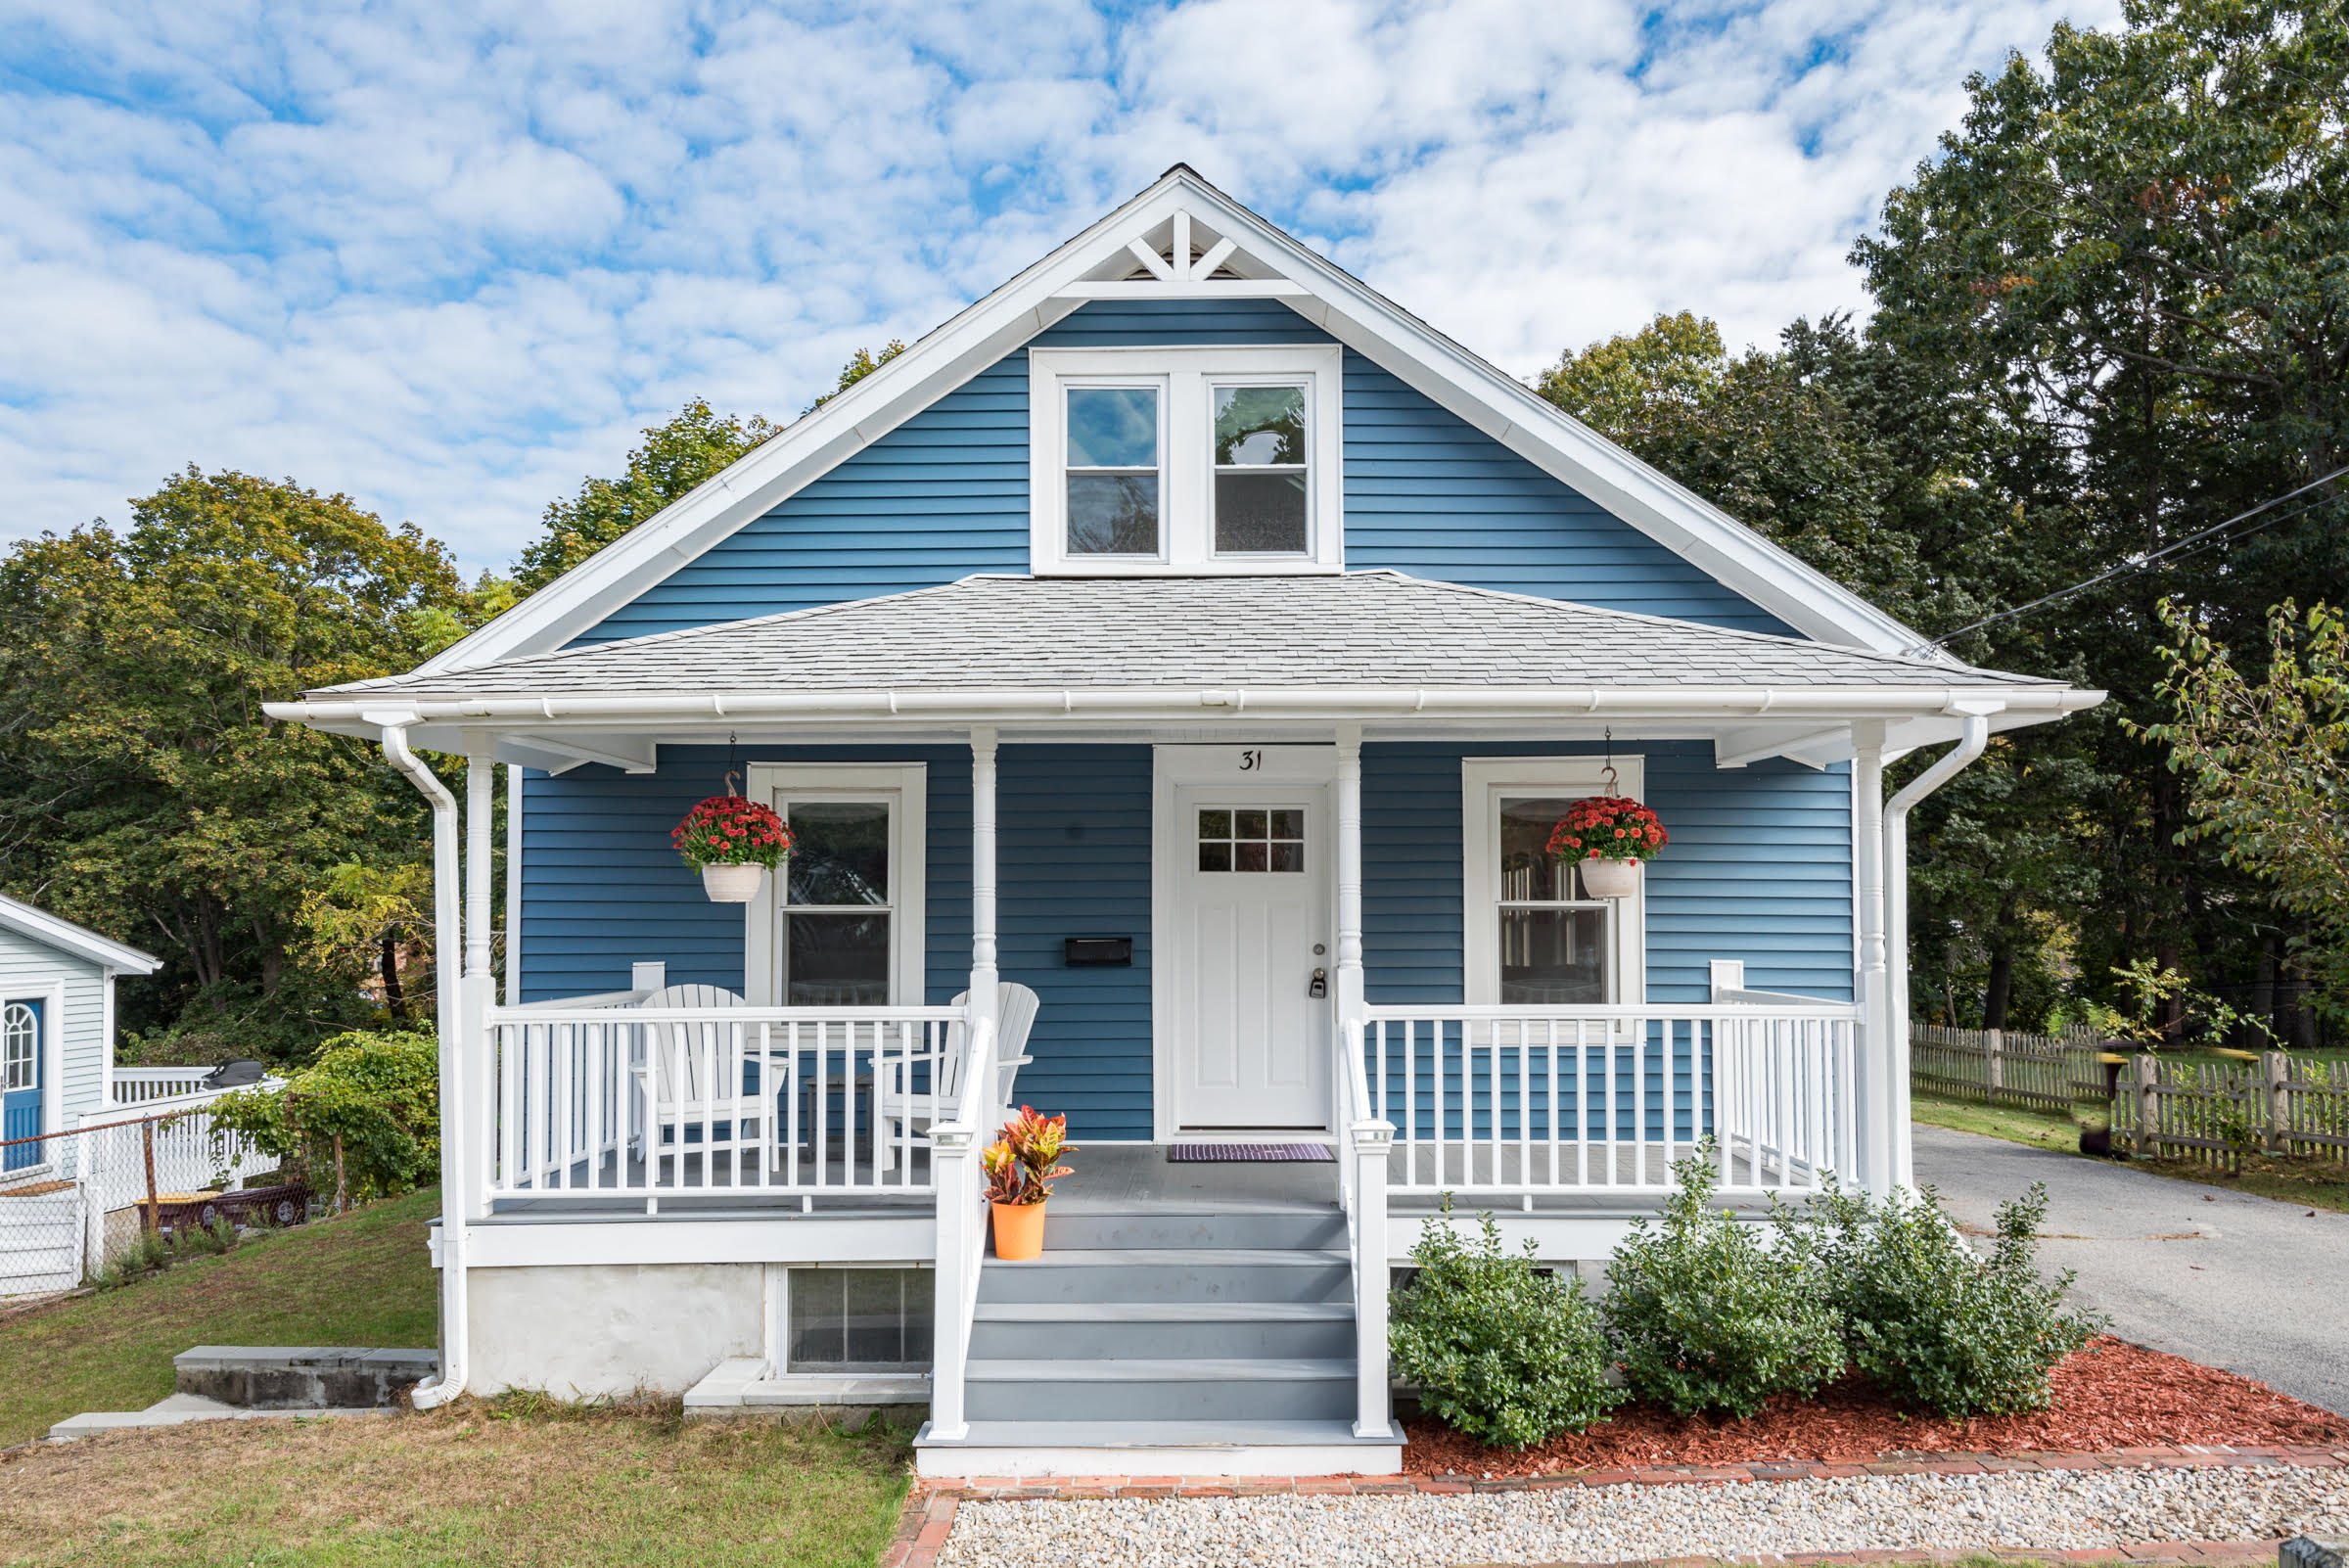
<point x="1611" y="826"/>
<point x="728" y="830"/>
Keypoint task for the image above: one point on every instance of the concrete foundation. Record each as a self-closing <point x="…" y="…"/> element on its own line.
<point x="584" y="1331"/>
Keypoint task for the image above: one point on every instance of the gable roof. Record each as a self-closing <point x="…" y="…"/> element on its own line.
<point x="995" y="633"/>
<point x="67" y="937"/>
<point x="1182" y="237"/>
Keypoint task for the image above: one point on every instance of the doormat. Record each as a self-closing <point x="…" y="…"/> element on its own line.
<point x="1246" y="1153"/>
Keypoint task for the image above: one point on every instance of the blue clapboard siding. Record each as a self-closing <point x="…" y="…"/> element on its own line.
<point x="1073" y="858"/>
<point x="1759" y="868"/>
<point x="603" y="888"/>
<point x="946" y="494"/>
<point x="1428" y="494"/>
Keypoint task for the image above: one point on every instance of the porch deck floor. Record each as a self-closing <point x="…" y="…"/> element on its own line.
<point x="1133" y="1178"/>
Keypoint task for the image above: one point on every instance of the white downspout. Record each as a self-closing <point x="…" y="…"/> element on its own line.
<point x="448" y="948"/>
<point x="1971" y="739"/>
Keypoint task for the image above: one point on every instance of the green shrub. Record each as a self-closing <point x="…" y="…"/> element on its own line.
<point x="1935" y="1325"/>
<point x="362" y="1121"/>
<point x="1497" y="1348"/>
<point x="1705" y="1317"/>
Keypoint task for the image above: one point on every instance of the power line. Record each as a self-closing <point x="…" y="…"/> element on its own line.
<point x="2144" y="561"/>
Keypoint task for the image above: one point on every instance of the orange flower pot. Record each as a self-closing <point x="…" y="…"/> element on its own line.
<point x="1018" y="1230"/>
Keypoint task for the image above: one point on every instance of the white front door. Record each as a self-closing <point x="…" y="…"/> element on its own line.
<point x="1253" y="968"/>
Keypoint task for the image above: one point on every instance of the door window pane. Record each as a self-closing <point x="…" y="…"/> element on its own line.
<point x="1112" y="470"/>
<point x="1260" y="471"/>
<point x="1553" y="957"/>
<point x="20" y="1046"/>
<point x="836" y="960"/>
<point x="1252" y="838"/>
<point x="840" y="851"/>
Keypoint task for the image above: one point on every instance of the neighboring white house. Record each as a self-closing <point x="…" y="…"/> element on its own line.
<point x="57" y="1030"/>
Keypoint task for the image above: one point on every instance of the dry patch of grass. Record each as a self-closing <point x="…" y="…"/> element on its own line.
<point x="520" y="1481"/>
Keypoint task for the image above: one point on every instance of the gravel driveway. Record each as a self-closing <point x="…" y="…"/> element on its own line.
<point x="2248" y="1284"/>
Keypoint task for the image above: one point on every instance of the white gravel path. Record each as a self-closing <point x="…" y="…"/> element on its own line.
<point x="2053" y="1511"/>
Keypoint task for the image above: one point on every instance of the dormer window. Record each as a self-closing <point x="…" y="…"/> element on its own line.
<point x="1185" y="461"/>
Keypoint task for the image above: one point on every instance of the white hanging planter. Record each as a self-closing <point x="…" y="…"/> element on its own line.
<point x="732" y="884"/>
<point x="1610" y="879"/>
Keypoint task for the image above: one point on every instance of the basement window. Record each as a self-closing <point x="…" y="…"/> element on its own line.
<point x="858" y="1319"/>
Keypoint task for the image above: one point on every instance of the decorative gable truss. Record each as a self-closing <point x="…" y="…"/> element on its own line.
<point x="1183" y="238"/>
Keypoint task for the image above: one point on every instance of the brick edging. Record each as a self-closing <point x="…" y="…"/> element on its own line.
<point x="929" y="1505"/>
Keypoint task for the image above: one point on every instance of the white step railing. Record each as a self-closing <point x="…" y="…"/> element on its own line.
<point x="597" y="1100"/>
<point x="1538" y="1099"/>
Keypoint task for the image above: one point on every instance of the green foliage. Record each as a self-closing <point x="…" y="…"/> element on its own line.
<point x="144" y="793"/>
<point x="1705" y="1317"/>
<point x="363" y="1120"/>
<point x="2267" y="764"/>
<point x="862" y="363"/>
<point x="1930" y="1322"/>
<point x="677" y="456"/>
<point x="1497" y="1348"/>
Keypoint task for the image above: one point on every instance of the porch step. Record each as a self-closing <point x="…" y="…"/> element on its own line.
<point x="1158" y="1448"/>
<point x="1063" y="1330"/>
<point x="1170" y="1273"/>
<point x="1298" y="1230"/>
<point x="1140" y="1392"/>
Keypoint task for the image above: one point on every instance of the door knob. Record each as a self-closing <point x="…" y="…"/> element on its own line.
<point x="1318" y="987"/>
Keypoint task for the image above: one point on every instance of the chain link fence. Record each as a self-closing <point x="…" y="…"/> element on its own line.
<point x="76" y="1204"/>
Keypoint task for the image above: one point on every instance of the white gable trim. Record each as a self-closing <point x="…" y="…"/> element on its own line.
<point x="78" y="941"/>
<point x="1261" y="261"/>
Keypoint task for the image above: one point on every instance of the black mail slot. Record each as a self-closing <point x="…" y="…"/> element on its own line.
<point x="1080" y="951"/>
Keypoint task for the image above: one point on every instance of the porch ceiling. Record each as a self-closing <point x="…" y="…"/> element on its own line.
<point x="1240" y="656"/>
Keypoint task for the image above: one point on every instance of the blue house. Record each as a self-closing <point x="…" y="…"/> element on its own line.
<point x="1171" y="670"/>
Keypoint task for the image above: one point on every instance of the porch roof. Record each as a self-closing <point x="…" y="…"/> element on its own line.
<point x="1345" y="630"/>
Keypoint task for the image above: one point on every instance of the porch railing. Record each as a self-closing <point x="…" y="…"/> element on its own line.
<point x="1526" y="1100"/>
<point x="597" y="1100"/>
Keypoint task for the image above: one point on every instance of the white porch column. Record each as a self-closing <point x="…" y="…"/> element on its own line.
<point x="983" y="973"/>
<point x="513" y="989"/>
<point x="478" y="989"/>
<point x="1350" y="875"/>
<point x="1877" y="1097"/>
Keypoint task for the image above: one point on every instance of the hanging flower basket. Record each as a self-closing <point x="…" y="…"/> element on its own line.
<point x="732" y="841"/>
<point x="1608" y="836"/>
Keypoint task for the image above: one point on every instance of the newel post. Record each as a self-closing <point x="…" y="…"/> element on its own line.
<point x="953" y="1157"/>
<point x="1373" y="1416"/>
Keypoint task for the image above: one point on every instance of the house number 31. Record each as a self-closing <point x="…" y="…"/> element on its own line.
<point x="1250" y="761"/>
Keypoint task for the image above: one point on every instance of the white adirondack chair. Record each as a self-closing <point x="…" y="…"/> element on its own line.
<point x="910" y="1116"/>
<point x="691" y="1085"/>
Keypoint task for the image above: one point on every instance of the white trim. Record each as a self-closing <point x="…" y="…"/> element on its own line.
<point x="1484" y="780"/>
<point x="765" y="1234"/>
<point x="1309" y="766"/>
<point x="984" y="334"/>
<point x="1185" y="378"/>
<point x="907" y="787"/>
<point x="78" y="941"/>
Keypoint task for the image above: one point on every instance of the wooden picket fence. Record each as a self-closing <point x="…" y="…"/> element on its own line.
<point x="2006" y="1066"/>
<point x="2215" y="1113"/>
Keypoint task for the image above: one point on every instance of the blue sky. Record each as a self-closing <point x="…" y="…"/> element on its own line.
<point x="449" y="258"/>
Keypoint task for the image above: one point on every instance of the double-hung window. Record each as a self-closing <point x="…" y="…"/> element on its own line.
<point x="843" y="925"/>
<point x="1534" y="936"/>
<point x="1185" y="461"/>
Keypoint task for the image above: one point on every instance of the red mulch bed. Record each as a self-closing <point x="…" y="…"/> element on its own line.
<point x="2112" y="1394"/>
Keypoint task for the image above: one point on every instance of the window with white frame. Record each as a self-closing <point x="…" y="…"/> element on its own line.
<point x="1183" y="461"/>
<point x="859" y="1319"/>
<point x="843" y="925"/>
<point x="1534" y="936"/>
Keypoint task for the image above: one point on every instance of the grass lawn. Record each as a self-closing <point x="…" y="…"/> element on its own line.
<point x="361" y="1279"/>
<point x="520" y="1482"/>
<point x="2318" y="1183"/>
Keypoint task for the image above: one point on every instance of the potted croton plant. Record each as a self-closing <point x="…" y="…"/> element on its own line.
<point x="732" y="841"/>
<point x="1608" y="836"/>
<point x="1021" y="1165"/>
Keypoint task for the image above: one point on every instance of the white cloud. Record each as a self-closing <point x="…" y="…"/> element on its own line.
<point x="449" y="258"/>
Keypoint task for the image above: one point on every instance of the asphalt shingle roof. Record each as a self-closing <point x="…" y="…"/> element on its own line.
<point x="1357" y="628"/>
